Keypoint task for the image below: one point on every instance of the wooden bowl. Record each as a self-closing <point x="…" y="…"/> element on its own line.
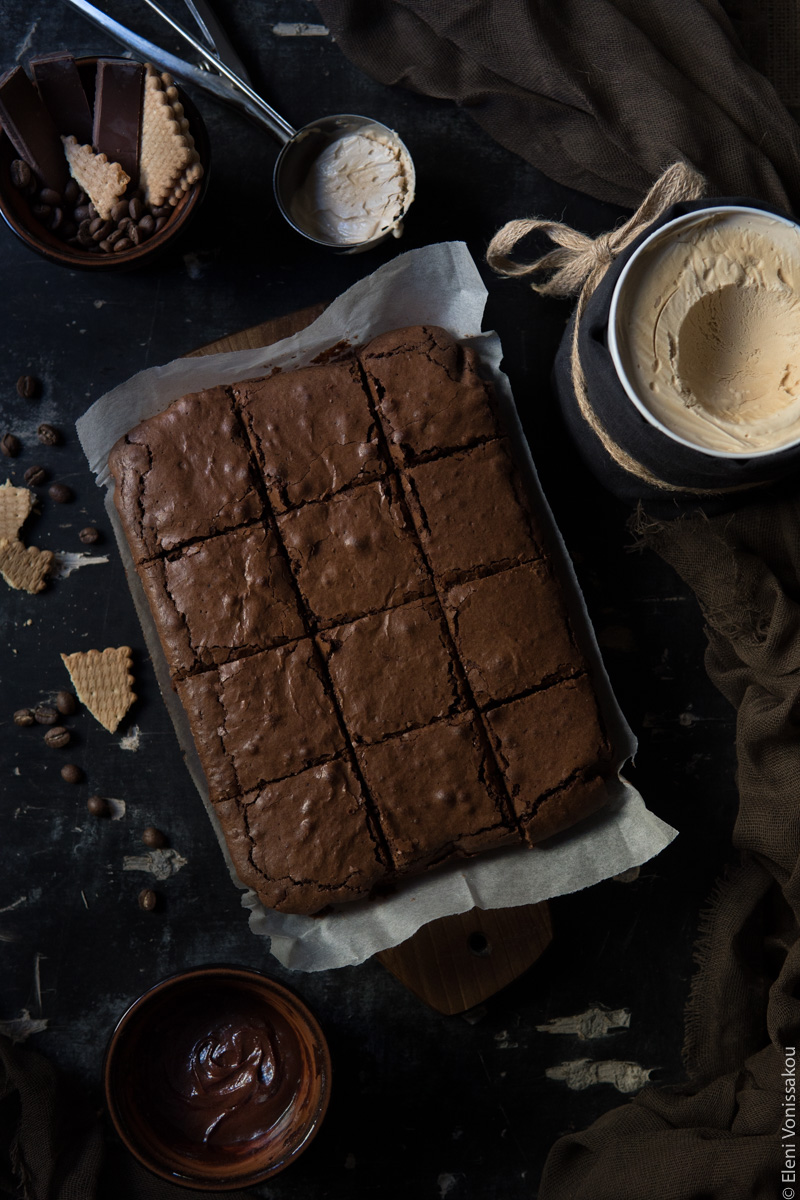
<point x="15" y="210"/>
<point x="217" y="1078"/>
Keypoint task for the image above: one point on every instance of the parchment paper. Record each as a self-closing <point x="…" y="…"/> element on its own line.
<point x="437" y="285"/>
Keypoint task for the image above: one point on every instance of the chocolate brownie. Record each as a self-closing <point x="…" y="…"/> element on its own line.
<point x="312" y="431"/>
<point x="308" y="841"/>
<point x="199" y="695"/>
<point x="354" y="554"/>
<point x="203" y="624"/>
<point x="428" y="392"/>
<point x="436" y="793"/>
<point x="511" y="631"/>
<point x="563" y="808"/>
<point x="471" y="513"/>
<point x="542" y="740"/>
<point x="393" y="670"/>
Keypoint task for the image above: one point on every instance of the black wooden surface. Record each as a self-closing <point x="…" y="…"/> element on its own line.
<point x="423" y="1105"/>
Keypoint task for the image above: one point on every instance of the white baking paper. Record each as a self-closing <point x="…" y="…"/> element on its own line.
<point x="437" y="285"/>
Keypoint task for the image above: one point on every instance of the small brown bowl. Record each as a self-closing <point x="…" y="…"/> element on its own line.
<point x="217" y="1078"/>
<point x="15" y="210"/>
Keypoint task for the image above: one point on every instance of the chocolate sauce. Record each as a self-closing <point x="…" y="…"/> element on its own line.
<point x="218" y="1077"/>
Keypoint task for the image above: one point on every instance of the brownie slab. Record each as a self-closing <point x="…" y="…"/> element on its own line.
<point x="308" y="839"/>
<point x="435" y="793"/>
<point x="393" y="670"/>
<point x="312" y="431"/>
<point x="511" y="631"/>
<point x="185" y="473"/>
<point x="542" y="740"/>
<point x="428" y="393"/>
<point x="204" y="624"/>
<point x="563" y="808"/>
<point x="470" y="512"/>
<point x="354" y="554"/>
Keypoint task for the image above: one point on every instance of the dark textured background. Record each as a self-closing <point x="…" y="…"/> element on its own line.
<point x="423" y="1105"/>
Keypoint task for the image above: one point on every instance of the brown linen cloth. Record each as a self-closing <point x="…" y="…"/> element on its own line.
<point x="52" y="1145"/>
<point x="600" y="95"/>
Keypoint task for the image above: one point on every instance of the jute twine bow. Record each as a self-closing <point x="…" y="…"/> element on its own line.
<point x="577" y="267"/>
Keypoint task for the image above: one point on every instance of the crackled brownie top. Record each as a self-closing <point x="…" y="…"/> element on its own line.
<point x="218" y="599"/>
<point x="312" y="431"/>
<point x="311" y="838"/>
<point x="354" y="554"/>
<point x="470" y="511"/>
<point x="428" y="392"/>
<point x="435" y="792"/>
<point x="174" y="483"/>
<point x="392" y="670"/>
<point x="511" y="631"/>
<point x="543" y="739"/>
<point x="564" y="808"/>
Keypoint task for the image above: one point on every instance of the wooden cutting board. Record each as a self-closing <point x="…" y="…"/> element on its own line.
<point x="457" y="962"/>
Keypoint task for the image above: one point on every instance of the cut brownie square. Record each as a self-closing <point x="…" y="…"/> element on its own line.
<point x="428" y="392"/>
<point x="308" y="840"/>
<point x="511" y="631"/>
<point x="199" y="695"/>
<point x="279" y="719"/>
<point x="470" y="512"/>
<point x="393" y="670"/>
<point x="312" y="431"/>
<point x="354" y="554"/>
<point x="564" y="808"/>
<point x="173" y="485"/>
<point x="544" y="739"/>
<point x="204" y="623"/>
<point x="435" y="793"/>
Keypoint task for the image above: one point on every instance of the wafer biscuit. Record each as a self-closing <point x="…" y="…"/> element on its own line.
<point x="15" y="505"/>
<point x="103" y="682"/>
<point x="104" y="182"/>
<point x="167" y="148"/>
<point x="23" y="567"/>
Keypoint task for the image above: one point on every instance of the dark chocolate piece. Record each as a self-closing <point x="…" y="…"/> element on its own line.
<point x="31" y="131"/>
<point x="117" y="129"/>
<point x="59" y="82"/>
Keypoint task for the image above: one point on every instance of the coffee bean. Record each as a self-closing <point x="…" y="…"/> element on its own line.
<point x="81" y="214"/>
<point x="45" y="714"/>
<point x="56" y="219"/>
<point x="136" y="209"/>
<point x="114" y="236"/>
<point x="60" y="493"/>
<point x="71" y="773"/>
<point x="48" y="435"/>
<point x="106" y="246"/>
<point x="57" y="737"/>
<point x="98" y="806"/>
<point x="124" y="223"/>
<point x="27" y="387"/>
<point x="154" y="838"/>
<point x="89" y="535"/>
<point x="20" y="174"/>
<point x="124" y="243"/>
<point x="146" y="225"/>
<point x="72" y="191"/>
<point x="35" y="476"/>
<point x="119" y="211"/>
<point x="92" y="211"/>
<point x="101" y="231"/>
<point x="161" y="210"/>
<point x="51" y="197"/>
<point x="41" y="211"/>
<point x="66" y="704"/>
<point x="84" y="231"/>
<point x="160" y="223"/>
<point x="10" y="445"/>
<point x="24" y="716"/>
<point x="147" y="899"/>
<point x="134" y="235"/>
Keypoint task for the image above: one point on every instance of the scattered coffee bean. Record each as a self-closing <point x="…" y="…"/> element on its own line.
<point x="147" y="899"/>
<point x="124" y="243"/>
<point x="160" y="223"/>
<point x="41" y="211"/>
<point x="51" y="197"/>
<point x="60" y="493"/>
<point x="102" y="229"/>
<point x="81" y="214"/>
<point x="136" y="209"/>
<point x="106" y="246"/>
<point x="134" y="235"/>
<point x="154" y="838"/>
<point x="56" y="219"/>
<point x="27" y="387"/>
<point x="45" y="714"/>
<point x="146" y="225"/>
<point x="35" y="476"/>
<point x="48" y="435"/>
<point x="89" y="535"/>
<point x="162" y="210"/>
<point x="93" y="211"/>
<point x="84" y="236"/>
<point x="57" y="737"/>
<point x="98" y="806"/>
<point x="71" y="773"/>
<point x="24" y="716"/>
<point x="21" y="174"/>
<point x="66" y="704"/>
<point x="119" y="211"/>
<point x="10" y="445"/>
<point x="72" y="192"/>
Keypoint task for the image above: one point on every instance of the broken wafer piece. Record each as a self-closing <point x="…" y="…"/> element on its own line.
<point x="167" y="148"/>
<point x="104" y="182"/>
<point x="103" y="682"/>
<point x="15" y="505"/>
<point x="24" y="568"/>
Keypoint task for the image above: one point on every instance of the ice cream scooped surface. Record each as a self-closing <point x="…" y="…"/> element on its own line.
<point x="709" y="332"/>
